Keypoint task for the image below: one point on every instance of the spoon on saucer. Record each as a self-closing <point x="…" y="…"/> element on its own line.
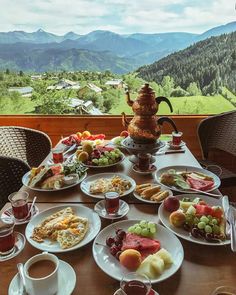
<point x="22" y="290"/>
<point x="32" y="206"/>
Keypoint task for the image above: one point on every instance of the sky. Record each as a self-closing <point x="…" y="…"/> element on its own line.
<point x="120" y="16"/>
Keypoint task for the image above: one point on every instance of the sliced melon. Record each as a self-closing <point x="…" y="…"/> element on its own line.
<point x="165" y="256"/>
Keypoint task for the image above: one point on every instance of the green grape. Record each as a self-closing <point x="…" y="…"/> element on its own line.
<point x="214" y="221"/>
<point x="110" y="161"/>
<point x="95" y="161"/>
<point x="143" y="223"/>
<point x="216" y="229"/>
<point x="152" y="230"/>
<point x="105" y="161"/>
<point x="151" y="225"/>
<point x="138" y="230"/>
<point x="145" y="232"/>
<point x="131" y="229"/>
<point x="204" y="219"/>
<point x="106" y="153"/>
<point x="201" y="225"/>
<point x="208" y="229"/>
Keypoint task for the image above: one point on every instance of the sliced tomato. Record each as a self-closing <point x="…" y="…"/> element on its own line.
<point x="200" y="184"/>
<point x="203" y="209"/>
<point x="56" y="169"/>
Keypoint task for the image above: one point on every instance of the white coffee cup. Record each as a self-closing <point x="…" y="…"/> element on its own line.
<point x="47" y="285"/>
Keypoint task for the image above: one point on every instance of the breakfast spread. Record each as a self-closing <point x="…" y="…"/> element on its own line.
<point x="64" y="227"/>
<point x="138" y="250"/>
<point x="114" y="184"/>
<point x="55" y="176"/>
<point x="187" y="180"/>
<point x="197" y="217"/>
<point x="151" y="192"/>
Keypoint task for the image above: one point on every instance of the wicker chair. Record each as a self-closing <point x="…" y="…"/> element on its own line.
<point x="218" y="134"/>
<point x="11" y="172"/>
<point x="29" y="145"/>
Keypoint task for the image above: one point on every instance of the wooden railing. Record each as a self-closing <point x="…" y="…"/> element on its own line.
<point x="57" y="126"/>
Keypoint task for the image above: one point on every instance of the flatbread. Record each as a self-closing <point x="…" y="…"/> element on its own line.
<point x="64" y="227"/>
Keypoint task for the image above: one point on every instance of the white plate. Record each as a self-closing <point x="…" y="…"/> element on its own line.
<point x="8" y="212"/>
<point x="106" y="166"/>
<point x="47" y="245"/>
<point x="111" y="266"/>
<point x="19" y="246"/>
<point x="25" y="181"/>
<point x="66" y="280"/>
<point x="187" y="168"/>
<point x="163" y="188"/>
<point x="85" y="184"/>
<point x="101" y="210"/>
<point x="180" y="232"/>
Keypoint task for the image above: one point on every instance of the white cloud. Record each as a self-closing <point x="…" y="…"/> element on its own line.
<point x="122" y="16"/>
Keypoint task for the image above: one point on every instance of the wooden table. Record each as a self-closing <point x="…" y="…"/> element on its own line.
<point x="203" y="269"/>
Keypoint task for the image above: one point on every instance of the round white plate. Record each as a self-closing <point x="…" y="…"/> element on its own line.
<point x="47" y="245"/>
<point x="163" y="188"/>
<point x="111" y="266"/>
<point x="85" y="184"/>
<point x="8" y="212"/>
<point x="25" y="181"/>
<point x="180" y="232"/>
<point x="66" y="280"/>
<point x="107" y="166"/>
<point x="19" y="246"/>
<point x="101" y="210"/>
<point x="187" y="168"/>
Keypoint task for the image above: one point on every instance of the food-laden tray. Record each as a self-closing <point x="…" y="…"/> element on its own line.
<point x="185" y="179"/>
<point x="54" y="177"/>
<point x="151" y="193"/>
<point x="193" y="218"/>
<point x="96" y="185"/>
<point x="113" y="267"/>
<point x="53" y="229"/>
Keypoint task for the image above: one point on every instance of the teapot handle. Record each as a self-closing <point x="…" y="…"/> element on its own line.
<point x="159" y="99"/>
<point x="161" y="120"/>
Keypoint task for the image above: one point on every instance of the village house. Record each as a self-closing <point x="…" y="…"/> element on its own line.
<point x="64" y="84"/>
<point x="23" y="91"/>
<point x="88" y="88"/>
<point x="115" y="83"/>
<point x="84" y="107"/>
<point x="36" y="77"/>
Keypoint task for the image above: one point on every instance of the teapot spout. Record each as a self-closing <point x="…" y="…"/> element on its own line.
<point x="125" y="122"/>
<point x="128" y="100"/>
<point x="161" y="120"/>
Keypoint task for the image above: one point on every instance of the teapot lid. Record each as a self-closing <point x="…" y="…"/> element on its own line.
<point x="146" y="90"/>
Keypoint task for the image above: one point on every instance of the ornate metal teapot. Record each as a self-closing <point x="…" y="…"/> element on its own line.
<point x="145" y="126"/>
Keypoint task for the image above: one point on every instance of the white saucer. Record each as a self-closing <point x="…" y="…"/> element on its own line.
<point x="152" y="169"/>
<point x="19" y="246"/>
<point x="101" y="211"/>
<point x="152" y="292"/>
<point x="176" y="147"/>
<point x="66" y="280"/>
<point x="8" y="212"/>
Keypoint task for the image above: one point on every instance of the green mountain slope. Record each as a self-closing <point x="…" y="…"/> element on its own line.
<point x="211" y="63"/>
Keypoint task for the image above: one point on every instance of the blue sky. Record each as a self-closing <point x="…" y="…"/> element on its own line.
<point x="121" y="16"/>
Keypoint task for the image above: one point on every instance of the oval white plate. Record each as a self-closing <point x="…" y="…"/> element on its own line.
<point x="163" y="188"/>
<point x="85" y="184"/>
<point x="112" y="267"/>
<point x="25" y="181"/>
<point x="180" y="232"/>
<point x="66" y="280"/>
<point x="47" y="245"/>
<point x="187" y="168"/>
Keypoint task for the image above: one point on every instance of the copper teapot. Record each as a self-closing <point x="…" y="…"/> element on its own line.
<point x="145" y="126"/>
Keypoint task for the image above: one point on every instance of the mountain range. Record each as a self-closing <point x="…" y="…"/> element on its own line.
<point x="98" y="50"/>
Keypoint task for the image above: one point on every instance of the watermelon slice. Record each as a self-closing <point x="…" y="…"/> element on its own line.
<point x="145" y="246"/>
<point x="200" y="184"/>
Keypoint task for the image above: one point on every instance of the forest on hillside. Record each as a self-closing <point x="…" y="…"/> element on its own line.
<point x="211" y="64"/>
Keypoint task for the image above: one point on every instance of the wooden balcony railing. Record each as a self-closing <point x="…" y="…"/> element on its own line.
<point x="57" y="126"/>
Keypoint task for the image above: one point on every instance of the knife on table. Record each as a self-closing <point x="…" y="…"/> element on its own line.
<point x="232" y="228"/>
<point x="170" y="152"/>
<point x="225" y="205"/>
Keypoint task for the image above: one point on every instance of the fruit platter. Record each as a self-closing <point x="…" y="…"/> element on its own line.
<point x="186" y="179"/>
<point x="151" y="193"/>
<point x="196" y="218"/>
<point x="54" y="177"/>
<point x="141" y="246"/>
<point x="98" y="156"/>
<point x="79" y="137"/>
